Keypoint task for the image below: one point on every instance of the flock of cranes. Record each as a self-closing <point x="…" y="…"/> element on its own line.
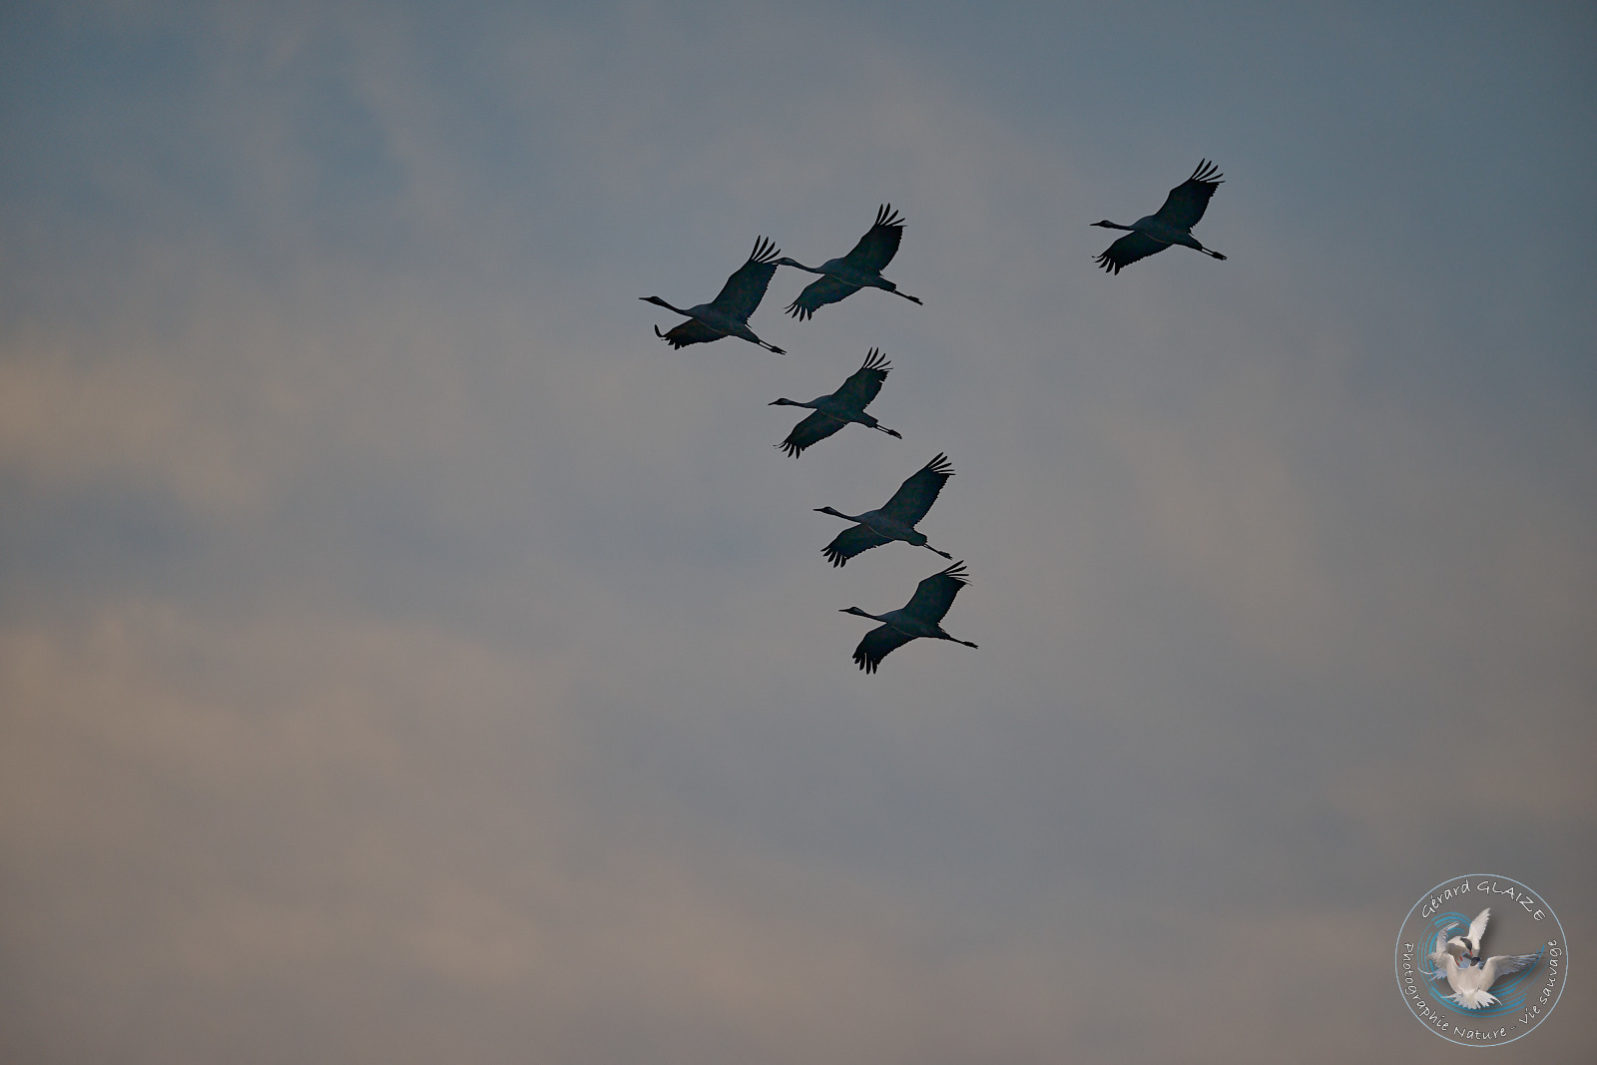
<point x="728" y="315"/>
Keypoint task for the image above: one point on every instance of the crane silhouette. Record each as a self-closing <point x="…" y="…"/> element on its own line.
<point x="860" y="268"/>
<point x="846" y="405"/>
<point x="1170" y="224"/>
<point x="895" y="519"/>
<point x="727" y="314"/>
<point x="919" y="618"/>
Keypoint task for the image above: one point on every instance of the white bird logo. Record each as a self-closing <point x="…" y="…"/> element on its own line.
<point x="1458" y="960"/>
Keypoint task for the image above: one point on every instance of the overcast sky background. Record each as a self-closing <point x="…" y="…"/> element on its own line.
<point x="406" y="657"/>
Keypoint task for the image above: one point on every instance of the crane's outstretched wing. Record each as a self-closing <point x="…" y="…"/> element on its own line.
<point x="877" y="247"/>
<point x="877" y="645"/>
<point x="917" y="494"/>
<point x="1188" y="200"/>
<point x="934" y="595"/>
<point x="850" y="542"/>
<point x="745" y="289"/>
<point x="691" y="331"/>
<point x="817" y="426"/>
<point x="819" y="293"/>
<point x="1127" y="250"/>
<point x="863" y="384"/>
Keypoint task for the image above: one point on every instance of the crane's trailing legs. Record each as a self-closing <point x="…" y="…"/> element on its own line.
<point x="842" y="421"/>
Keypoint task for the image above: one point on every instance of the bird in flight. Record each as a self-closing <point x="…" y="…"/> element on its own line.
<point x="727" y="314"/>
<point x="895" y="519"/>
<point x="918" y="618"/>
<point x="1457" y="960"/>
<point x="846" y="405"/>
<point x="860" y="268"/>
<point x="1170" y="224"/>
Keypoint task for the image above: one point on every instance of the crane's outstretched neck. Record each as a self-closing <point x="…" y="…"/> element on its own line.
<point x="658" y="302"/>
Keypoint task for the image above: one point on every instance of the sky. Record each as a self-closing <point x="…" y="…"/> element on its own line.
<point x="407" y="657"/>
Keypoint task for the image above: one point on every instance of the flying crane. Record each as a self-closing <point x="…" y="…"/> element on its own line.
<point x="727" y="314"/>
<point x="919" y="618"/>
<point x="895" y="519"/>
<point x="834" y="411"/>
<point x="1170" y="224"/>
<point x="860" y="268"/>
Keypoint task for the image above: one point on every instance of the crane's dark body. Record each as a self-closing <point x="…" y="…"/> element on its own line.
<point x="727" y="314"/>
<point x="918" y="619"/>
<point x="894" y="520"/>
<point x="860" y="268"/>
<point x="836" y="410"/>
<point x="1170" y="224"/>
